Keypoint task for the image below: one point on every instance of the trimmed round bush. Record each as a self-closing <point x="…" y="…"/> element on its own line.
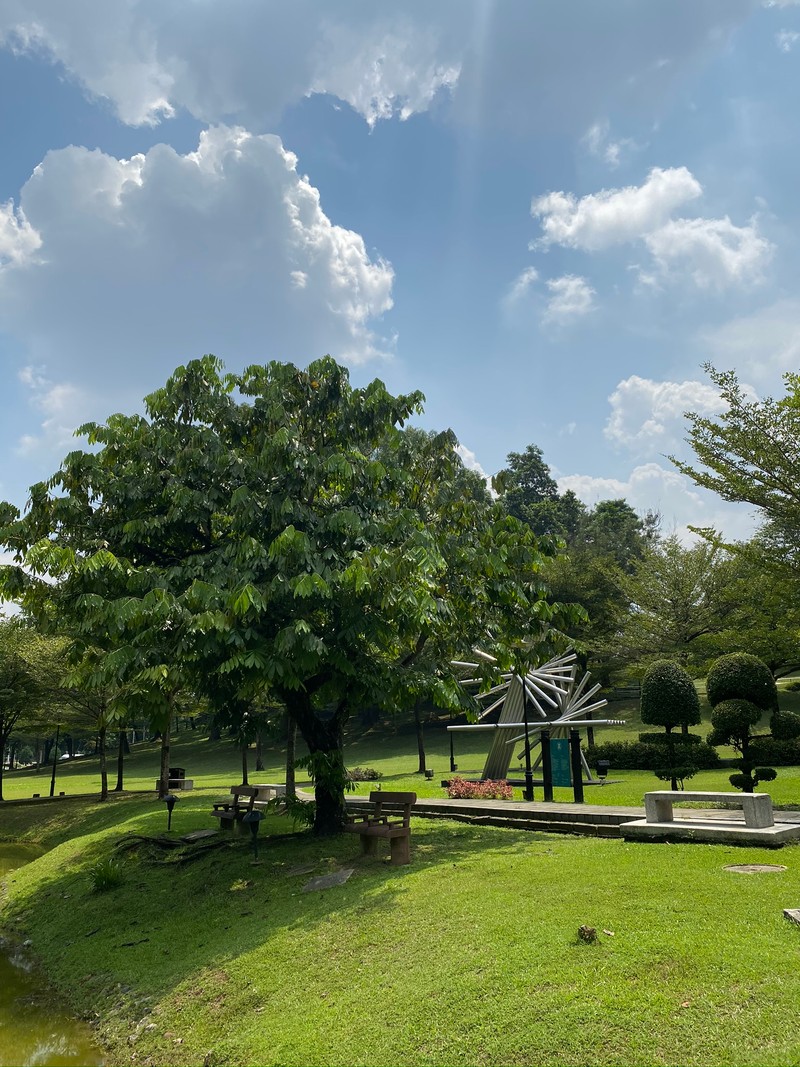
<point x="669" y="697"/>
<point x="743" y="677"/>
<point x="785" y="725"/>
<point x="731" y="721"/>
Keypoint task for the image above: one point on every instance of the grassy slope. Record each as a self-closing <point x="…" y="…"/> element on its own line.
<point x="468" y="956"/>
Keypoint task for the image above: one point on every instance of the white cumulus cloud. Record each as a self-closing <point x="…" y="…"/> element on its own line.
<point x="147" y="262"/>
<point x="571" y="297"/>
<point x="613" y="216"/>
<point x="648" y="415"/>
<point x="761" y="345"/>
<point x="787" y="39"/>
<point x="713" y="252"/>
<point x="681" y="504"/>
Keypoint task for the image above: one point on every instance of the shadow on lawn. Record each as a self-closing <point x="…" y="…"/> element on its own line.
<point x="175" y="915"/>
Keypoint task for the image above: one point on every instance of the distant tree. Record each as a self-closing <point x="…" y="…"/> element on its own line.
<point x="677" y="597"/>
<point x="529" y="492"/>
<point x="669" y="699"/>
<point x="20" y="692"/>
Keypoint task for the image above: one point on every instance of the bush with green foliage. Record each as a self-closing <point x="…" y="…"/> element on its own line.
<point x="364" y="774"/>
<point x="784" y="725"/>
<point x="740" y="676"/>
<point x="105" y="875"/>
<point x="637" y="756"/>
<point x="775" y="753"/>
<point x="669" y="699"/>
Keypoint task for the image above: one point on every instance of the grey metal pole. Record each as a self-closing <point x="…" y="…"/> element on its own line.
<point x="528" y="769"/>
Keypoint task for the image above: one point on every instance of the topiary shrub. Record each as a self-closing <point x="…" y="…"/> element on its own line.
<point x="732" y="722"/>
<point x="741" y="676"/>
<point x="669" y="699"/>
<point x="784" y="725"/>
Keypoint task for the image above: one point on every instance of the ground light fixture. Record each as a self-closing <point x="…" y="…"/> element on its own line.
<point x="170" y="800"/>
<point x="603" y="767"/>
<point x="253" y="820"/>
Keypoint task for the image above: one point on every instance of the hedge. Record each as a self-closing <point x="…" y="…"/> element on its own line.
<point x="638" y="756"/>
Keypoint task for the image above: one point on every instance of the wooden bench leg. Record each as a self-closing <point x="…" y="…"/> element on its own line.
<point x="400" y="848"/>
<point x="369" y="845"/>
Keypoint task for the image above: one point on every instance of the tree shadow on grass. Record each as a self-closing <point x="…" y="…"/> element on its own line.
<point x="177" y="919"/>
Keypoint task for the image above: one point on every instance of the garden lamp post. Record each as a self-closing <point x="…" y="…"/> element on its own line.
<point x="453" y="765"/>
<point x="253" y="820"/>
<point x="170" y="800"/>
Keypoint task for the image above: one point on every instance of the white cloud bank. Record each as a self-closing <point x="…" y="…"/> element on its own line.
<point x="681" y="504"/>
<point x="715" y="253"/>
<point x="122" y="268"/>
<point x="245" y="61"/>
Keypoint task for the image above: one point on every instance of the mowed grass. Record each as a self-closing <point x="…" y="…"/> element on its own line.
<point x="391" y="749"/>
<point x="468" y="956"/>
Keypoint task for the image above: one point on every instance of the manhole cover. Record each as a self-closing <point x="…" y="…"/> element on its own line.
<point x="755" y="868"/>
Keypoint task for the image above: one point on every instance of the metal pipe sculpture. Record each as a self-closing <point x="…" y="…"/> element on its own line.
<point x="552" y="697"/>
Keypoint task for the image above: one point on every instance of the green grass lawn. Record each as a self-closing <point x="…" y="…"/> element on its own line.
<point x="468" y="956"/>
<point x="216" y="765"/>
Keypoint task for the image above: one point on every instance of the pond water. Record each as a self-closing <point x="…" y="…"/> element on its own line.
<point x="33" y="1029"/>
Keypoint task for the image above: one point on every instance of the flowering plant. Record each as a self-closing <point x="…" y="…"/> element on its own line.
<point x="461" y="789"/>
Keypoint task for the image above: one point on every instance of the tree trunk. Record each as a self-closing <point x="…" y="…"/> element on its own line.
<point x="420" y="739"/>
<point x="259" y="752"/>
<point x="163" y="783"/>
<point x="3" y="741"/>
<point x="120" y="760"/>
<point x="214" y="732"/>
<point x="244" y="764"/>
<point x="126" y="746"/>
<point x="325" y="749"/>
<point x="291" y="746"/>
<point x="671" y="756"/>
<point x="101" y="748"/>
<point x="70" y="743"/>
<point x="48" y="749"/>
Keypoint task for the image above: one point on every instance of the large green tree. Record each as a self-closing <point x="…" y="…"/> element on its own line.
<point x="267" y="528"/>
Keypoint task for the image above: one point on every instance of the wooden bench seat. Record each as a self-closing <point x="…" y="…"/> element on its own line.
<point x="389" y="819"/>
<point x="231" y="812"/>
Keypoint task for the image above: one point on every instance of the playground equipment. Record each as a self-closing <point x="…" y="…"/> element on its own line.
<point x="549" y="707"/>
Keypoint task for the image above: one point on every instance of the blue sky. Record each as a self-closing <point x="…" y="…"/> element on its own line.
<point x="545" y="215"/>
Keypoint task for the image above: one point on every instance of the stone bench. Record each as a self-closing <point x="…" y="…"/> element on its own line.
<point x="756" y="807"/>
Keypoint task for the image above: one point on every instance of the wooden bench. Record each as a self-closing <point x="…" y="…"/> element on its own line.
<point x="390" y="819"/>
<point x="231" y="812"/>
<point x="756" y="807"/>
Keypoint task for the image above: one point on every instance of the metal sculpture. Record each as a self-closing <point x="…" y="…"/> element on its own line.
<point x="546" y="698"/>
